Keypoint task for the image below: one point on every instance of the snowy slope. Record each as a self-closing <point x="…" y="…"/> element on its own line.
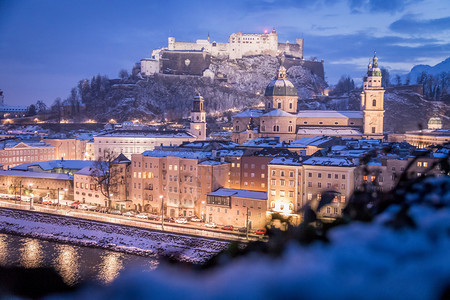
<point x="108" y="236"/>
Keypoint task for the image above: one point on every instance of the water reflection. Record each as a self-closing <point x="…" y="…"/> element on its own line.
<point x="110" y="266"/>
<point x="3" y="249"/>
<point x="75" y="264"/>
<point x="31" y="254"/>
<point x="67" y="264"/>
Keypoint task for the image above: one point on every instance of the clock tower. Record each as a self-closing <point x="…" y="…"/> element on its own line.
<point x="198" y="118"/>
<point x="372" y="102"/>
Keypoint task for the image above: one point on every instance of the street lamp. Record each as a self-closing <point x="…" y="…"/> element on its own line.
<point x="162" y="211"/>
<point x="30" y="185"/>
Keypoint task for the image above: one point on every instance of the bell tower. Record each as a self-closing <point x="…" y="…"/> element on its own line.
<point x="372" y="101"/>
<point x="198" y="118"/>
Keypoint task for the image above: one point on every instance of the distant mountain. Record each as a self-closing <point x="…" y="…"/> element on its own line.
<point x="415" y="72"/>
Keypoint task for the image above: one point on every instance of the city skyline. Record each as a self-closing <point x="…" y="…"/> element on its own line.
<point x="47" y="46"/>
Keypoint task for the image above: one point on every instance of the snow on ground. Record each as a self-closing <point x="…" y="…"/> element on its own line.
<point x="110" y="236"/>
<point x="362" y="261"/>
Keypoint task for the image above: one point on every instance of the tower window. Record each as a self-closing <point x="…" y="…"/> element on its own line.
<point x="290" y="105"/>
<point x="279" y="105"/>
<point x="290" y="128"/>
<point x="197" y="118"/>
<point x="374" y="102"/>
<point x="373" y="129"/>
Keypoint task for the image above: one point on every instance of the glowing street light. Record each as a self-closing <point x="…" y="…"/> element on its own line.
<point x="162" y="211"/>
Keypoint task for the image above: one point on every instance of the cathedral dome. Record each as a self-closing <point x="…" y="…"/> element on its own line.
<point x="281" y="86"/>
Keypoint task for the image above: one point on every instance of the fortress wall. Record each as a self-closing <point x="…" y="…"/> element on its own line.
<point x="316" y="67"/>
<point x="290" y="49"/>
<point x="184" y="63"/>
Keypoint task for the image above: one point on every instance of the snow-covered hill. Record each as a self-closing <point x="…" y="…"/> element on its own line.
<point x="170" y="96"/>
<point x="415" y="72"/>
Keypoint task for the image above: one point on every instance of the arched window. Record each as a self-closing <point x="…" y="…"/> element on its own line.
<point x="272" y="204"/>
<point x="290" y="105"/>
<point x="291" y="206"/>
<point x="290" y="128"/>
<point x="263" y="128"/>
<point x="374" y="102"/>
<point x="279" y="104"/>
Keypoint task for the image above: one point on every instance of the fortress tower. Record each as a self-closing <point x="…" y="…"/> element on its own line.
<point x="198" y="118"/>
<point x="372" y="102"/>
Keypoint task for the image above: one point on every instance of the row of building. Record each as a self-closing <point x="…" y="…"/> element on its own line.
<point x="224" y="182"/>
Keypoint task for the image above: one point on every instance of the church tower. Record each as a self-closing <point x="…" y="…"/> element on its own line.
<point x="198" y="118"/>
<point x="372" y="102"/>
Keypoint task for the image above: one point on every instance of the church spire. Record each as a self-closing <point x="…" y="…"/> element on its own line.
<point x="375" y="60"/>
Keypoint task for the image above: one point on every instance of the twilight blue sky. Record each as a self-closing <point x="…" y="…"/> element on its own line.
<point x="47" y="46"/>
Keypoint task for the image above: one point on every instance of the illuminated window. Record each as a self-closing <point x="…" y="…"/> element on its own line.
<point x="419" y="163"/>
<point x="425" y="164"/>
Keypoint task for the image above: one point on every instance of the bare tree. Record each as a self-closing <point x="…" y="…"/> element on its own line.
<point x="107" y="176"/>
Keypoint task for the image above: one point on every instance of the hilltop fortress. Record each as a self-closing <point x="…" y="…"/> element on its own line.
<point x="187" y="58"/>
<point x="242" y="44"/>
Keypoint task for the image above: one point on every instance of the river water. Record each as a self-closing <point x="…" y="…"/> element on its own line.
<point x="75" y="264"/>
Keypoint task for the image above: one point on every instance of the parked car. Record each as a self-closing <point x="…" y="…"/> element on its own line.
<point x="211" y="225"/>
<point x="48" y="201"/>
<point x="74" y="204"/>
<point x="115" y="212"/>
<point x="195" y="219"/>
<point x="181" y="221"/>
<point x="261" y="231"/>
<point x="83" y="206"/>
<point x="142" y="216"/>
<point x="154" y="217"/>
<point x="227" y="227"/>
<point x="129" y="214"/>
<point x="242" y="229"/>
<point x="169" y="219"/>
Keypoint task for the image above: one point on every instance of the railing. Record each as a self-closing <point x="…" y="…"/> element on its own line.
<point x="188" y="229"/>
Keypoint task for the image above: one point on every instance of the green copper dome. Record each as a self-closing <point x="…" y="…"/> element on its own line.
<point x="281" y="86"/>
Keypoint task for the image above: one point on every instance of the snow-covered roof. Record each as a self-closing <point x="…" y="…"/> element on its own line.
<point x="430" y="132"/>
<point x="312" y="141"/>
<point x="254" y="113"/>
<point x="270" y="142"/>
<point x="86" y="171"/>
<point x="239" y="193"/>
<point x="180" y="154"/>
<point x="331" y="131"/>
<point x="277" y="113"/>
<point x="20" y="144"/>
<point x="290" y="161"/>
<point x="236" y="153"/>
<point x="329" y="161"/>
<point x="323" y="114"/>
<point x="36" y="175"/>
<point x="147" y="134"/>
<point x="55" y="164"/>
<point x="212" y="163"/>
